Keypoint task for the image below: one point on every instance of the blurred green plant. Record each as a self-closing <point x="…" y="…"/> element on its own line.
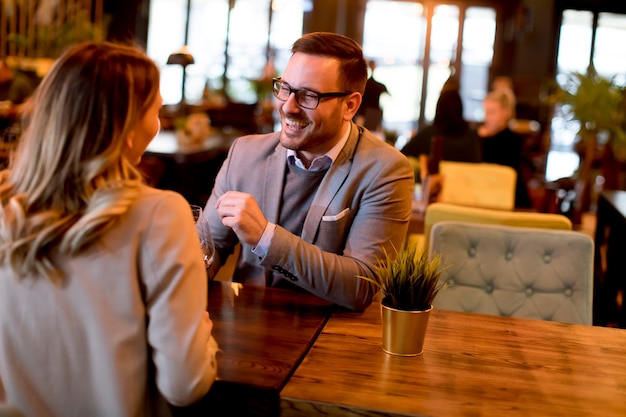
<point x="596" y="102"/>
<point x="51" y="39"/>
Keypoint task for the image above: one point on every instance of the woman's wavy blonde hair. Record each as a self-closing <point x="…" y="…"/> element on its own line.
<point x="69" y="180"/>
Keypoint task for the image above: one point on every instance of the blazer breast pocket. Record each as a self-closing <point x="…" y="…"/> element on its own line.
<point x="333" y="231"/>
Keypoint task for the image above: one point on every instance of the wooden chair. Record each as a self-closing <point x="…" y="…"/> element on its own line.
<point x="515" y="271"/>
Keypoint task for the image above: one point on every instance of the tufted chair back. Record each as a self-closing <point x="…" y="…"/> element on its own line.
<point x="515" y="271"/>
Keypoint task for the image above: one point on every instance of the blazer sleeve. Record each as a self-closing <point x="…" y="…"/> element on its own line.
<point x="176" y="289"/>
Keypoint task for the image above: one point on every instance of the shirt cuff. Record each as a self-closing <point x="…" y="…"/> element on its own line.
<point x="263" y="245"/>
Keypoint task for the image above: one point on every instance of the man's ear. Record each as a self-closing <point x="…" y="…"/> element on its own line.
<point x="352" y="103"/>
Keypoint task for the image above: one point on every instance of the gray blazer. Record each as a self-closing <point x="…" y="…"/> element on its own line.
<point x="362" y="208"/>
<point x="134" y="297"/>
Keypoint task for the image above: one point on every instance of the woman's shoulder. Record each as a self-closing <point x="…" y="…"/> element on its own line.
<point x="151" y="197"/>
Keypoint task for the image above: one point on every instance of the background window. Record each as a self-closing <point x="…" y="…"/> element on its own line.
<point x="231" y="42"/>
<point x="404" y="38"/>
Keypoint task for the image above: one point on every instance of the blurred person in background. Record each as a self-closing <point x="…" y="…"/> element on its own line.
<point x="499" y="143"/>
<point x="370" y="113"/>
<point x="15" y="89"/>
<point x="457" y="140"/>
<point x="15" y="86"/>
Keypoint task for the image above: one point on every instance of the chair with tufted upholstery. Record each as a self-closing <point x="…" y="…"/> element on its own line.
<point x="515" y="271"/>
<point x="438" y="212"/>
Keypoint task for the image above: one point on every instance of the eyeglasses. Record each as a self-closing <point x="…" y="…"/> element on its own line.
<point x="307" y="99"/>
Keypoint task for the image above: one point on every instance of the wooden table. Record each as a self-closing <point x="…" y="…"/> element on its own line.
<point x="472" y="365"/>
<point x="610" y="263"/>
<point x="263" y="334"/>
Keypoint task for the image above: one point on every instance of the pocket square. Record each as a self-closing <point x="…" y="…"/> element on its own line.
<point x="336" y="217"/>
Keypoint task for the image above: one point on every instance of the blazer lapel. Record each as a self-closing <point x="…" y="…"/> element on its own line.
<point x="273" y="184"/>
<point x="330" y="186"/>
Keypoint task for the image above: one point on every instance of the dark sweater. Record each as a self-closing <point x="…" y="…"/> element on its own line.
<point x="505" y="148"/>
<point x="461" y="146"/>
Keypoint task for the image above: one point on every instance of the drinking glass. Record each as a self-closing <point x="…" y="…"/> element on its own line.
<point x="196" y="211"/>
<point x="204" y="235"/>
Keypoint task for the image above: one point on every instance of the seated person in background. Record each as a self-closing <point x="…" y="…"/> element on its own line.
<point x="458" y="141"/>
<point x="505" y="82"/>
<point x="370" y="113"/>
<point x="14" y="86"/>
<point x="15" y="89"/>
<point x="320" y="202"/>
<point x="102" y="284"/>
<point x="500" y="144"/>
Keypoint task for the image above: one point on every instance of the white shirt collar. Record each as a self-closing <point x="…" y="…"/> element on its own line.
<point x="321" y="162"/>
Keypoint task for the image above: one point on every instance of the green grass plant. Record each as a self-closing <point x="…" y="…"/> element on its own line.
<point x="408" y="279"/>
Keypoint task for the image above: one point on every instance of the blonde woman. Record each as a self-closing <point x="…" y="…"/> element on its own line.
<point x="102" y="284"/>
<point x="499" y="106"/>
<point x="500" y="144"/>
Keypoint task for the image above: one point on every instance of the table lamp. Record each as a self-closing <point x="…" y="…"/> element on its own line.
<point x="183" y="58"/>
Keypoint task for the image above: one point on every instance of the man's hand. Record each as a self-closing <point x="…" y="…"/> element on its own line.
<point x="240" y="212"/>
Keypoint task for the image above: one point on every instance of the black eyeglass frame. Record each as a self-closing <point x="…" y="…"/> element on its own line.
<point x="278" y="85"/>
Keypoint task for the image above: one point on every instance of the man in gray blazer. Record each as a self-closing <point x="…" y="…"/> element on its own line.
<point x="318" y="203"/>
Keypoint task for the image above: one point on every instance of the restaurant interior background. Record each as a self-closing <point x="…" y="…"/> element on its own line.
<point x="417" y="45"/>
<point x="237" y="45"/>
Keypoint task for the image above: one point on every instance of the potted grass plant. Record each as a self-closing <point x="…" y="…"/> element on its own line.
<point x="408" y="282"/>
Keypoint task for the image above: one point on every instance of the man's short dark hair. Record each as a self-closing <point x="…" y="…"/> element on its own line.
<point x="353" y="66"/>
